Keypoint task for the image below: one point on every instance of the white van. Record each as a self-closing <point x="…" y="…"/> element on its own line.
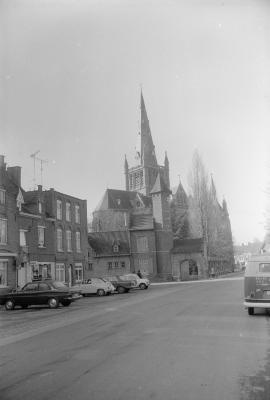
<point x="257" y="282"/>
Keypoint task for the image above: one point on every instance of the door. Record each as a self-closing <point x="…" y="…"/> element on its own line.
<point x="184" y="270"/>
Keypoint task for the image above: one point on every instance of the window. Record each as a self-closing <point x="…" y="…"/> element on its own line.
<point x="31" y="287"/>
<point x="78" y="241"/>
<point x="68" y="238"/>
<point x="39" y="207"/>
<point x="22" y="237"/>
<point x="142" y="244"/>
<point x="60" y="272"/>
<point x="59" y="209"/>
<point x="3" y="231"/>
<point x="68" y="209"/>
<point x="123" y="264"/>
<point x="109" y="265"/>
<point x="77" y="214"/>
<point x="41" y="236"/>
<point x="78" y="273"/>
<point x="116" y="264"/>
<point x="42" y="287"/>
<point x="59" y="239"/>
<point x="90" y="267"/>
<point x="3" y="272"/>
<point x="265" y="267"/>
<point x="2" y="196"/>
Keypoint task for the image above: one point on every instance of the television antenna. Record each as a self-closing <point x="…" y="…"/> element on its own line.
<point x="42" y="161"/>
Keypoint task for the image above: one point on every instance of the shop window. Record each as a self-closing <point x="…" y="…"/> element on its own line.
<point x="60" y="272"/>
<point x="3" y="272"/>
<point x="78" y="273"/>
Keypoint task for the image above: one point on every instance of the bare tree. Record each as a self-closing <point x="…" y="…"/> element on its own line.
<point x="200" y="192"/>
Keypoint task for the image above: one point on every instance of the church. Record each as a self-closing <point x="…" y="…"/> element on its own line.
<point x="148" y="228"/>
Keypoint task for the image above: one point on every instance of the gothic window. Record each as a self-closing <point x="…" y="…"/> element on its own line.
<point x="59" y="209"/>
<point x="59" y="239"/>
<point x="68" y="239"/>
<point x="78" y="241"/>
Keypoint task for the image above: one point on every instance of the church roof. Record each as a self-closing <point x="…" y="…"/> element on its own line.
<point x="141" y="222"/>
<point x="185" y="246"/>
<point x="103" y="242"/>
<point x="121" y="200"/>
<point x="160" y="186"/>
<point x="181" y="196"/>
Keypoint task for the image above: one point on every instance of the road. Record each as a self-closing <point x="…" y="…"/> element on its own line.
<point x="191" y="341"/>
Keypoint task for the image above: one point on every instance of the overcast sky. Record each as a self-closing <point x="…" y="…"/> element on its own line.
<point x="71" y="72"/>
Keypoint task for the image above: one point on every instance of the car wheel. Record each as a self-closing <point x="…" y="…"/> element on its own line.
<point x="121" y="289"/>
<point x="53" y="302"/>
<point x="250" y="310"/>
<point x="101" y="292"/>
<point x="143" y="286"/>
<point x="9" y="305"/>
<point x="66" y="303"/>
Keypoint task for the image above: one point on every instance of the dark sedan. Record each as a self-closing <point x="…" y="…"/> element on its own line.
<point x="51" y="293"/>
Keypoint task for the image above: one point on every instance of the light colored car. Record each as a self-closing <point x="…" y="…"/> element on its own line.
<point x="96" y="286"/>
<point x="141" y="283"/>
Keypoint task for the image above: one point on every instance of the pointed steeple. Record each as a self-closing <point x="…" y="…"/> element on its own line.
<point x="181" y="198"/>
<point x="126" y="173"/>
<point x="148" y="156"/>
<point x="213" y="189"/>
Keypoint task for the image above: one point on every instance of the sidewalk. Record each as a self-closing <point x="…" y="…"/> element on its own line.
<point x="239" y="275"/>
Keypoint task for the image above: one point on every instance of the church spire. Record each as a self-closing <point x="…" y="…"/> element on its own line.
<point x="213" y="189"/>
<point x="148" y="156"/>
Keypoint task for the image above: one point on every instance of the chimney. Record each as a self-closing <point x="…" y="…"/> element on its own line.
<point x="2" y="162"/>
<point x="15" y="174"/>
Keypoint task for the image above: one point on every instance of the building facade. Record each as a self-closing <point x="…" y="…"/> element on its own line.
<point x="43" y="233"/>
<point x="161" y="227"/>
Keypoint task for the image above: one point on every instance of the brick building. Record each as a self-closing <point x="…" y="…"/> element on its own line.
<point x="43" y="233"/>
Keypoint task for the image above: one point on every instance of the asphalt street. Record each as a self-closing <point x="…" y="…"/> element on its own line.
<point x="191" y="341"/>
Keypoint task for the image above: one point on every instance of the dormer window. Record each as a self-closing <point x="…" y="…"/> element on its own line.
<point x="116" y="248"/>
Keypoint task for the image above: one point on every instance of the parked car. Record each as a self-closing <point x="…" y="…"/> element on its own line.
<point x="121" y="285"/>
<point x="94" y="286"/>
<point x="41" y="292"/>
<point x="141" y="283"/>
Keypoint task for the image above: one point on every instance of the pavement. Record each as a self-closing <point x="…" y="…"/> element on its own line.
<point x="191" y="341"/>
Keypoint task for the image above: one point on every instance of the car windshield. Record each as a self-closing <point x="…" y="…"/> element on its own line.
<point x="59" y="285"/>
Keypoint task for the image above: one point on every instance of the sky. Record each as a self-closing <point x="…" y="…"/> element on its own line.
<point x="71" y="74"/>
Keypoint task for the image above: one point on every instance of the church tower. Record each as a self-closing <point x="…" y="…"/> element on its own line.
<point x="164" y="236"/>
<point x="142" y="177"/>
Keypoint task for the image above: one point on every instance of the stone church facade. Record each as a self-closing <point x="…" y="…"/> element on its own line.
<point x="145" y="226"/>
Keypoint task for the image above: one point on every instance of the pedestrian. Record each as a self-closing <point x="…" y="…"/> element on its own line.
<point x="139" y="274"/>
<point x="212" y="272"/>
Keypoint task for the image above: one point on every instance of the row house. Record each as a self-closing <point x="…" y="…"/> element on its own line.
<point x="46" y="233"/>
